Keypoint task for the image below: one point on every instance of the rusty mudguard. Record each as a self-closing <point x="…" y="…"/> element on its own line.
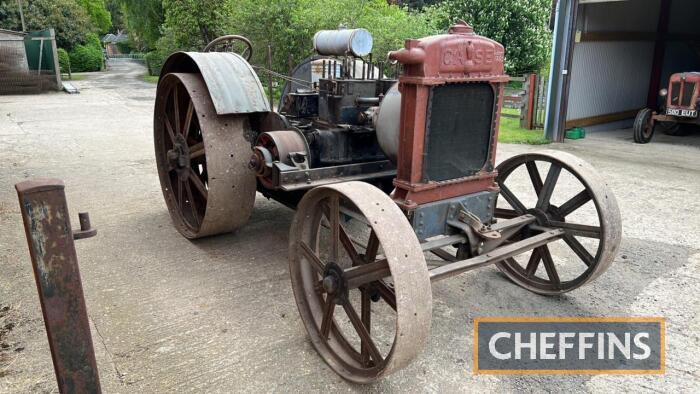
<point x="233" y="85"/>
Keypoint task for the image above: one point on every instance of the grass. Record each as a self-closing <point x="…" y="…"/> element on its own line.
<point x="511" y="133"/>
<point x="151" y="78"/>
<point x="74" y="77"/>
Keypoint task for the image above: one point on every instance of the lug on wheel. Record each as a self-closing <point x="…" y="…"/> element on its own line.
<point x="570" y="196"/>
<point x="360" y="280"/>
<point x="201" y="159"/>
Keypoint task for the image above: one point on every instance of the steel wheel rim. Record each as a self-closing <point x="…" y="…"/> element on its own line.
<point x="201" y="159"/>
<point x="609" y="224"/>
<point x="408" y="272"/>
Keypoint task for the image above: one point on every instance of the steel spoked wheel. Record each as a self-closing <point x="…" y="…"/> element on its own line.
<point x="360" y="280"/>
<point x="643" y="128"/>
<point x="570" y="196"/>
<point x="201" y="159"/>
<point x="231" y="43"/>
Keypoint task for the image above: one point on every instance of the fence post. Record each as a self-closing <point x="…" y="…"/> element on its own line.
<point x="50" y="238"/>
<point x="528" y="104"/>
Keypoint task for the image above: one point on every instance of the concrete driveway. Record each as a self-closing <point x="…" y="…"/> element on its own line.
<point x="218" y="315"/>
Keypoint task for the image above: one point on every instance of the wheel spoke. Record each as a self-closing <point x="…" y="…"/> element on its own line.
<point x="176" y="108"/>
<point x="372" y="247"/>
<point x="443" y="254"/>
<point x="549" y="265"/>
<point x="512" y="200"/>
<point x="387" y="293"/>
<point x="533" y="263"/>
<point x="348" y="246"/>
<point x="169" y="127"/>
<point x="327" y="319"/>
<point x="534" y="176"/>
<point x="311" y="257"/>
<point x="366" y="273"/>
<point x="180" y="184"/>
<point x="365" y="310"/>
<point x="580" y="230"/>
<point x="188" y="119"/>
<point x="579" y="249"/>
<point x="334" y="221"/>
<point x="548" y="187"/>
<point x="502" y="213"/>
<point x="196" y="150"/>
<point x="192" y="204"/>
<point x="366" y="339"/>
<point x="574" y="203"/>
<point x="198" y="184"/>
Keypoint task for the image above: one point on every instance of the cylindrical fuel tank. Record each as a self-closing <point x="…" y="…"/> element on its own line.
<point x="386" y="122"/>
<point x="342" y="42"/>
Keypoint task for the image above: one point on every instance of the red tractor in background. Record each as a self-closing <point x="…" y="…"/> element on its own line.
<point x="678" y="113"/>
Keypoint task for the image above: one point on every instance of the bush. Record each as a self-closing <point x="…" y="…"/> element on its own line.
<point x="154" y="62"/>
<point x="64" y="61"/>
<point x="164" y="48"/>
<point x="87" y="57"/>
<point x="125" y="47"/>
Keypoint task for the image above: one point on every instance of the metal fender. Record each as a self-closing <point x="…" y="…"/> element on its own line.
<point x="233" y="85"/>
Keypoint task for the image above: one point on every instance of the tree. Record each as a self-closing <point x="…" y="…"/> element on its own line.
<point x="289" y="25"/>
<point x="98" y="13"/>
<point x="66" y="17"/>
<point x="520" y="25"/>
<point x="116" y="10"/>
<point x="143" y="21"/>
<point x="194" y="23"/>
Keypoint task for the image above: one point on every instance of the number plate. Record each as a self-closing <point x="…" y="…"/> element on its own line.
<point x="686" y="113"/>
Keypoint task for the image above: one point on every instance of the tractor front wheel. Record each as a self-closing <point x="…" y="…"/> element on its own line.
<point x="643" y="128"/>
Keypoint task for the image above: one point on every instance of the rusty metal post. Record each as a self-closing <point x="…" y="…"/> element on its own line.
<point x="51" y="247"/>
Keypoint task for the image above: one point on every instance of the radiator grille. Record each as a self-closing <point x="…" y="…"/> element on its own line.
<point x="675" y="92"/>
<point x="458" y="130"/>
<point x="688" y="89"/>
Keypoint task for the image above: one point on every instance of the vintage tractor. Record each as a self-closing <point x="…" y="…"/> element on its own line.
<point x="678" y="113"/>
<point x="394" y="181"/>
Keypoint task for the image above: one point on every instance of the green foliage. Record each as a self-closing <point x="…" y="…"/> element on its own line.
<point x="520" y="25"/>
<point x="87" y="57"/>
<point x="98" y="13"/>
<point x="64" y="61"/>
<point x="289" y="25"/>
<point x="125" y="47"/>
<point x="143" y="21"/>
<point x="118" y="14"/>
<point x="66" y="17"/>
<point x="194" y="23"/>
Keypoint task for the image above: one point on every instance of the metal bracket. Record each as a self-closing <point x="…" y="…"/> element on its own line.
<point x="481" y="229"/>
<point x="86" y="230"/>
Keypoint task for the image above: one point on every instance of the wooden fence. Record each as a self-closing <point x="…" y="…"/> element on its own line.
<point x="530" y="100"/>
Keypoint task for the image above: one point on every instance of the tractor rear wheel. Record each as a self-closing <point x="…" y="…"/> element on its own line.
<point x="360" y="280"/>
<point x="202" y="159"/>
<point x="643" y="128"/>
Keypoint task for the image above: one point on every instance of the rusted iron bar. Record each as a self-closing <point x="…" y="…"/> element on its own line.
<point x="495" y="256"/>
<point x="52" y="250"/>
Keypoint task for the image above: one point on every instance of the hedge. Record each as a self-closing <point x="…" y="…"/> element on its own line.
<point x="87" y="57"/>
<point x="64" y="61"/>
